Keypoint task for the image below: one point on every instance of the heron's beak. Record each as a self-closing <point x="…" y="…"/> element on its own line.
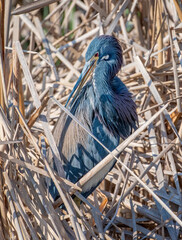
<point x="86" y="72"/>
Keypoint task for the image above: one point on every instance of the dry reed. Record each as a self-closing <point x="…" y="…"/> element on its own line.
<point x="42" y="49"/>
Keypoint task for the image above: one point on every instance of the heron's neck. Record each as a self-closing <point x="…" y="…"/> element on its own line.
<point x="102" y="81"/>
<point x="103" y="91"/>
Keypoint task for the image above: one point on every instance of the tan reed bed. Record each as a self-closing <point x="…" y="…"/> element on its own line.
<point x="42" y="49"/>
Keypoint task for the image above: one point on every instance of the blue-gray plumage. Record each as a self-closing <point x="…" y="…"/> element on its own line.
<point x="103" y="104"/>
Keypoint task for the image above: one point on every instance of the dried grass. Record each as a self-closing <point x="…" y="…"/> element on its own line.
<point x="42" y="48"/>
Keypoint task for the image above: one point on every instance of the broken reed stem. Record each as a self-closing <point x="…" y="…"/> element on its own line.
<point x="178" y="9"/>
<point x="18" y="99"/>
<point x="160" y="38"/>
<point x="3" y="94"/>
<point x="2" y="205"/>
<point x="37" y="113"/>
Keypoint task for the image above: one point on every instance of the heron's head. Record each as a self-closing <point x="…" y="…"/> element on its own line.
<point x="105" y="49"/>
<point x="104" y="53"/>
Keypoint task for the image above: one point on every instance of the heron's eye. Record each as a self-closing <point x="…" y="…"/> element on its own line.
<point x="96" y="54"/>
<point x="106" y="57"/>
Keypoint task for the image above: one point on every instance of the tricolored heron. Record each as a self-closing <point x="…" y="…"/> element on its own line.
<point x="103" y="104"/>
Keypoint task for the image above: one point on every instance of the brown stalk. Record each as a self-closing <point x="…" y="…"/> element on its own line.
<point x="17" y="85"/>
<point x="160" y="38"/>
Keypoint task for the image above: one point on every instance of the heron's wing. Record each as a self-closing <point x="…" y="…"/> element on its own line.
<point x="78" y="150"/>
